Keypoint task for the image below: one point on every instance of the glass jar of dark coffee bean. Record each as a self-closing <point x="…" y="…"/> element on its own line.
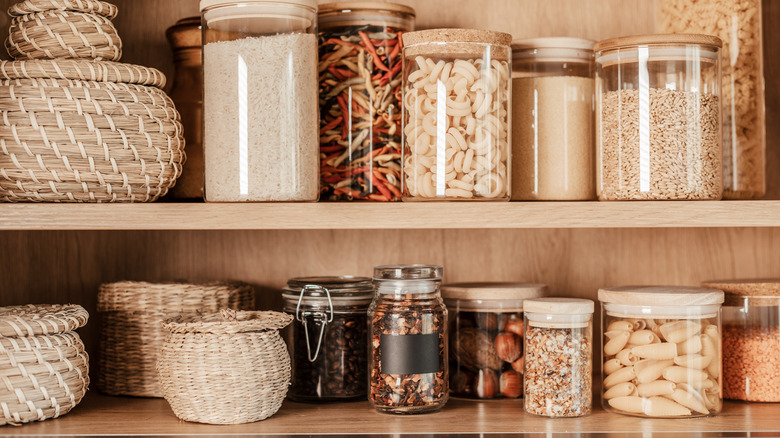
<point x="328" y="340"/>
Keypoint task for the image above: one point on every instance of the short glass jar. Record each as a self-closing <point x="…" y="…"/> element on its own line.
<point x="661" y="351"/>
<point x="457" y="115"/>
<point x="408" y="370"/>
<point x="553" y="151"/>
<point x="260" y="136"/>
<point x="558" y="357"/>
<point x="658" y="118"/>
<point x="751" y="339"/>
<point x="486" y="337"/>
<point x="328" y="339"/>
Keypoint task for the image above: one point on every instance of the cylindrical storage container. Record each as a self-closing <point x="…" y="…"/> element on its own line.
<point x="658" y="118"/>
<point x="553" y="151"/>
<point x="751" y="339"/>
<point x="486" y="337"/>
<point x="457" y="115"/>
<point x="408" y="370"/>
<point x="661" y="351"/>
<point x="739" y="24"/>
<point x="558" y="357"/>
<point x="260" y="138"/>
<point x="225" y="368"/>
<point x="328" y="341"/>
<point x="360" y="70"/>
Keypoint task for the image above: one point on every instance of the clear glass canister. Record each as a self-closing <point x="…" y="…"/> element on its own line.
<point x="658" y="118"/>
<point x="661" y="351"/>
<point x="553" y="104"/>
<point x="751" y="339"/>
<point x="408" y="340"/>
<point x="558" y="357"/>
<point x="260" y="109"/>
<point x="486" y="337"/>
<point x="328" y="340"/>
<point x="360" y="75"/>
<point x="739" y="24"/>
<point x="457" y="115"/>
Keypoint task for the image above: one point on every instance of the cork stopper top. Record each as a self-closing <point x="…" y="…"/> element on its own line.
<point x="757" y="291"/>
<point x="457" y="36"/>
<point x="458" y="44"/>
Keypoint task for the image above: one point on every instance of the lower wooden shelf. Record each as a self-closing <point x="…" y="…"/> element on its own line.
<point x="103" y="415"/>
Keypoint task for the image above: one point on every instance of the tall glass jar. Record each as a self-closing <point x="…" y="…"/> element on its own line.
<point x="457" y="115"/>
<point x="553" y="152"/>
<point x="360" y="99"/>
<point x="739" y="24"/>
<point x="661" y="351"/>
<point x="328" y="339"/>
<point x="658" y="118"/>
<point x="260" y="136"/>
<point x="558" y="357"/>
<point x="408" y="371"/>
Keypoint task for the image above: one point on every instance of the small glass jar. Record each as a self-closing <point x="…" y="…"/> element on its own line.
<point x="553" y="152"/>
<point x="661" y="351"/>
<point x="260" y="113"/>
<point x="558" y="357"/>
<point x="658" y="118"/>
<point x="408" y="340"/>
<point x="486" y="337"/>
<point x="751" y="339"/>
<point x="360" y="99"/>
<point x="328" y="339"/>
<point x="739" y="24"/>
<point x="457" y="115"/>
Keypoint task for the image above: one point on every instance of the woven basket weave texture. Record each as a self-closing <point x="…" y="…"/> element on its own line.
<point x="131" y="331"/>
<point x="44" y="368"/>
<point x="225" y="368"/>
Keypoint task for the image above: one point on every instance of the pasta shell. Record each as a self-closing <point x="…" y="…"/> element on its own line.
<point x="620" y="390"/>
<point x="665" y="350"/>
<point x="690" y="400"/>
<point x="696" y="361"/>
<point x="679" y="331"/>
<point x="679" y="374"/>
<point x="641" y="337"/>
<point x="631" y="404"/>
<point x="663" y="407"/>
<point x="658" y="387"/>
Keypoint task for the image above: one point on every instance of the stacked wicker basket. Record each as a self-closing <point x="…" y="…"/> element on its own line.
<point x="78" y="126"/>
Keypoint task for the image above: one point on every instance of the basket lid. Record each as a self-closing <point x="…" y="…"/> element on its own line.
<point x="87" y="6"/>
<point x="559" y="306"/>
<point x="660" y="38"/>
<point x="660" y="296"/>
<point x="759" y="291"/>
<point x="493" y="291"/>
<point x="83" y="70"/>
<point x="229" y="321"/>
<point x="41" y="319"/>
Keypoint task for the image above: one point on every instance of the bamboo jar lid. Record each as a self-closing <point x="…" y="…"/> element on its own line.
<point x="661" y="38"/>
<point x="652" y="296"/>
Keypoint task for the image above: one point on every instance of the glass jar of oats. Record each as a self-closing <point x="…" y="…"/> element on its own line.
<point x="658" y="118"/>
<point x="661" y="351"/>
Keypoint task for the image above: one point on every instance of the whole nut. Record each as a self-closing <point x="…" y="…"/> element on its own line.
<point x="474" y="350"/>
<point x="508" y="346"/>
<point x="486" y="384"/>
<point x="515" y="325"/>
<point x="519" y="365"/>
<point x="511" y="384"/>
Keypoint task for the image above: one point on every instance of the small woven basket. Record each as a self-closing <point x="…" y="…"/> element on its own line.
<point x="44" y="368"/>
<point x="225" y="368"/>
<point x="48" y="29"/>
<point x="131" y="331"/>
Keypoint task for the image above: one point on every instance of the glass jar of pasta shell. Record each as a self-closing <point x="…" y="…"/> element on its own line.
<point x="662" y="351"/>
<point x="457" y="115"/>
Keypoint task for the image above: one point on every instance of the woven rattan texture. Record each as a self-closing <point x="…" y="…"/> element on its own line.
<point x="34" y="320"/>
<point x="225" y="378"/>
<point x="131" y="331"/>
<point x="107" y="10"/>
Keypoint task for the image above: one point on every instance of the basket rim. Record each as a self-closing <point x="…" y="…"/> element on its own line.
<point x="83" y="70"/>
<point x="229" y="321"/>
<point x="41" y="319"/>
<point x="105" y="9"/>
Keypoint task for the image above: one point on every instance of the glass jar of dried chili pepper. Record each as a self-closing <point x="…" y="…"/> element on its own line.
<point x="360" y="73"/>
<point x="408" y="370"/>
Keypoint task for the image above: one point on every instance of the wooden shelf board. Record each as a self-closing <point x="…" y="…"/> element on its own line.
<point x="104" y="415"/>
<point x="289" y="216"/>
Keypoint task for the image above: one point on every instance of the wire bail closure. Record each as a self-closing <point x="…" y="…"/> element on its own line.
<point x="321" y="318"/>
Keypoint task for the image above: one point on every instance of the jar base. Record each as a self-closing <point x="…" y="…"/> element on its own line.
<point x="408" y="410"/>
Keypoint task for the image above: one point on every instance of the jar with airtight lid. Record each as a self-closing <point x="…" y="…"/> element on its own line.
<point x="661" y="351"/>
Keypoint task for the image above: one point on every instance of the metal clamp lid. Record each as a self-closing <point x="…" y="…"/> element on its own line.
<point x="321" y="318"/>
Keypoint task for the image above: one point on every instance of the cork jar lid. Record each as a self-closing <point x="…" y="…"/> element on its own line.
<point x="764" y="292"/>
<point x="655" y="39"/>
<point x="457" y="36"/>
<point x="660" y="296"/>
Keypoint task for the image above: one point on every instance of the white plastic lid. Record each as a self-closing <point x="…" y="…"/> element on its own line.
<point x="559" y="306"/>
<point x="205" y="4"/>
<point x="661" y="296"/>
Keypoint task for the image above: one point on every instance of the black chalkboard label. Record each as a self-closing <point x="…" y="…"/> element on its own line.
<point x="410" y="354"/>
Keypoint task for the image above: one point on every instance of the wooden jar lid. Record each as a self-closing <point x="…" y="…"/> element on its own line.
<point x="660" y="296"/>
<point x="559" y="306"/>
<point x="493" y="291"/>
<point x="660" y="38"/>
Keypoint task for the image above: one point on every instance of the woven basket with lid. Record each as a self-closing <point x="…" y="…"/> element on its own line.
<point x="131" y="331"/>
<point x="44" y="368"/>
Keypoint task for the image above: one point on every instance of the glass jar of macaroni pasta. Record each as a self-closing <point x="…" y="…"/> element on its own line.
<point x="661" y="351"/>
<point x="457" y="115"/>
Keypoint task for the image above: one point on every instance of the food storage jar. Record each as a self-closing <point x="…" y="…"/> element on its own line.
<point x="260" y="135"/>
<point x="457" y="115"/>
<point x="739" y="24"/>
<point x="751" y="339"/>
<point x="661" y="351"/>
<point x="658" y="118"/>
<point x="328" y="339"/>
<point x="360" y="99"/>
<point x="486" y="337"/>
<point x="558" y="357"/>
<point x="407" y="340"/>
<point x="553" y="151"/>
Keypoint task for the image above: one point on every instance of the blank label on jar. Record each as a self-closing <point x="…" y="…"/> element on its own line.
<point x="410" y="354"/>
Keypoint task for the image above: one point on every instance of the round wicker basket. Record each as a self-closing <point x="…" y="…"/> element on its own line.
<point x="131" y="331"/>
<point x="225" y="368"/>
